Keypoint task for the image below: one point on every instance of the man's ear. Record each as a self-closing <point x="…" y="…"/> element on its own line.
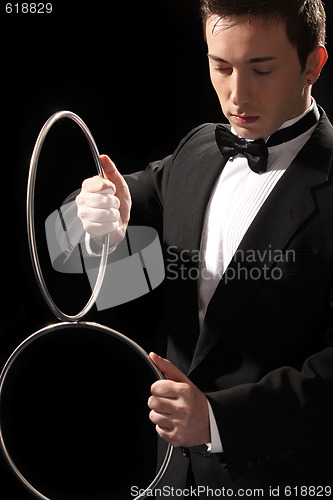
<point x="315" y="63"/>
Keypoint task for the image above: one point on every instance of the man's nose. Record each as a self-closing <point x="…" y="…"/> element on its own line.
<point x="240" y="91"/>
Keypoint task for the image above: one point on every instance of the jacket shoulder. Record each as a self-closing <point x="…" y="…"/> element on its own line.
<point x="199" y="137"/>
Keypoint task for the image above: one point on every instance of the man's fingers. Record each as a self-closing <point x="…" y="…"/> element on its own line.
<point x="161" y="420"/>
<point x="96" y="184"/>
<point x="160" y="405"/>
<point x="170" y="370"/>
<point x="98" y="215"/>
<point x="164" y="389"/>
<point x="111" y="172"/>
<point x="121" y="187"/>
<point x="108" y="166"/>
<point x="103" y="199"/>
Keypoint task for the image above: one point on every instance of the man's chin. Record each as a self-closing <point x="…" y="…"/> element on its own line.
<point x="249" y="133"/>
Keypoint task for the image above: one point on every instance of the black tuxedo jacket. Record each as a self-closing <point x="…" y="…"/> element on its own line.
<point x="264" y="356"/>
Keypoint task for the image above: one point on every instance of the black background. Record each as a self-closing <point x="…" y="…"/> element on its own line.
<point x="137" y="74"/>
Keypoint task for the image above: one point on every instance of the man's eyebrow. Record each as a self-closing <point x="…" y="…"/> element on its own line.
<point x="253" y="60"/>
<point x="216" y="58"/>
<point x="261" y="59"/>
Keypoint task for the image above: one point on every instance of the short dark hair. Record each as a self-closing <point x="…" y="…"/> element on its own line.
<point x="305" y="19"/>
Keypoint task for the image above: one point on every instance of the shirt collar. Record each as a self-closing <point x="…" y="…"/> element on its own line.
<point x="288" y="123"/>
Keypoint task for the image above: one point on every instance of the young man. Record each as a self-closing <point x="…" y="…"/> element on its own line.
<point x="249" y="398"/>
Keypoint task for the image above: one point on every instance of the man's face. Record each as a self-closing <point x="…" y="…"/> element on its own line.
<point x="256" y="74"/>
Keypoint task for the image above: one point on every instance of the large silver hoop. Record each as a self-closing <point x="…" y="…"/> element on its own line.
<point x="31" y="220"/>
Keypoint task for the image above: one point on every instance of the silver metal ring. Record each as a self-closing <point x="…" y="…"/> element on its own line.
<point x="98" y="328"/>
<point x="31" y="222"/>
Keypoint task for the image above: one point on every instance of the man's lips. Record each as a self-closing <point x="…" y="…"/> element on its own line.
<point x="244" y="119"/>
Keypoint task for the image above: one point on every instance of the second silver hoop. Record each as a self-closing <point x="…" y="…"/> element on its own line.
<point x="97" y="329"/>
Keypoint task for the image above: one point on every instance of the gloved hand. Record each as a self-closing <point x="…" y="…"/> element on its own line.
<point x="104" y="204"/>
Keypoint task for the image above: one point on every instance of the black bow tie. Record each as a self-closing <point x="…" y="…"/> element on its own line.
<point x="256" y="151"/>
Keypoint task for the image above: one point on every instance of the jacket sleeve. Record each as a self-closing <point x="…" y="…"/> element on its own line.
<point x="285" y="410"/>
<point x="64" y="228"/>
<point x="147" y="188"/>
<point x="146" y="193"/>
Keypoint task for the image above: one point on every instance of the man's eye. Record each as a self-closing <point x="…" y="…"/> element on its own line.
<point x="262" y="73"/>
<point x="223" y="71"/>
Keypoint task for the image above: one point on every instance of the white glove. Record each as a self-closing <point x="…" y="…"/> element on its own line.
<point x="99" y="213"/>
<point x="104" y="205"/>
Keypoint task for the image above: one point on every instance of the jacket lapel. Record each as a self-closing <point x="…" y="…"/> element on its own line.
<point x="192" y="183"/>
<point x="193" y="175"/>
<point x="290" y="205"/>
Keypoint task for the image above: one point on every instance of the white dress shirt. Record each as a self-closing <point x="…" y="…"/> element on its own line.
<point x="236" y="199"/>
